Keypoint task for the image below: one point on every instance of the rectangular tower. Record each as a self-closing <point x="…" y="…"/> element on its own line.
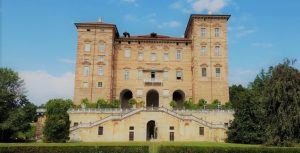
<point x="209" y="56"/>
<point x="94" y="77"/>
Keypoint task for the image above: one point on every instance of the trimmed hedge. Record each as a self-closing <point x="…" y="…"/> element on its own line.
<point x="75" y="149"/>
<point x="199" y="149"/>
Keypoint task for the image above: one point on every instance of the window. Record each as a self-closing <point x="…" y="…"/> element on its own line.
<point x="201" y="130"/>
<point x="171" y="127"/>
<point x="126" y="75"/>
<point x="203" y="32"/>
<point x="131" y="136"/>
<point x="218" y="72"/>
<point x="100" y="130"/>
<point x="141" y="56"/>
<point x="86" y="71"/>
<point x="217" y="32"/>
<point x="139" y="74"/>
<point x="217" y="51"/>
<point x="127" y="53"/>
<point x="87" y="47"/>
<point x="101" y="58"/>
<point x="178" y="55"/>
<point x="226" y="125"/>
<point x="203" y="72"/>
<point x="202" y="50"/>
<point x="166" y="56"/>
<point x="178" y="75"/>
<point x="101" y="71"/>
<point x="75" y="123"/>
<point x="99" y="84"/>
<point x="139" y="92"/>
<point x="166" y="92"/>
<point x="85" y="84"/>
<point x="153" y="56"/>
<point x="101" y="46"/>
<point x="171" y="136"/>
<point x="131" y="128"/>
<point x="166" y="75"/>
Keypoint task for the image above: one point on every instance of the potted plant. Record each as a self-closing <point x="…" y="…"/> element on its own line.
<point x="132" y="102"/>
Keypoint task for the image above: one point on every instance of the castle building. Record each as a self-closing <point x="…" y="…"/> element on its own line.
<point x="155" y="70"/>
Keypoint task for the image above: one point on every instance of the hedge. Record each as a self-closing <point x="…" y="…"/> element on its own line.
<point x="74" y="149"/>
<point x="199" y="149"/>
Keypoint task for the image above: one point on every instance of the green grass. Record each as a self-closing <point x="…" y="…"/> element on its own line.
<point x="153" y="146"/>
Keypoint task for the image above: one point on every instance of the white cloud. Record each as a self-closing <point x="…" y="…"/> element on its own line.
<point x="170" y="24"/>
<point x="42" y="86"/>
<point x="176" y="5"/>
<point x="262" y="45"/>
<point x="241" y="31"/>
<point x="243" y="77"/>
<point x="134" y="2"/>
<point x="67" y="61"/>
<point x="209" y="5"/>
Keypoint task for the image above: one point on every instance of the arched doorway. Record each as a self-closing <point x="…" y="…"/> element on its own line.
<point x="151" y="130"/>
<point x="125" y="95"/>
<point x="152" y="99"/>
<point x="178" y="97"/>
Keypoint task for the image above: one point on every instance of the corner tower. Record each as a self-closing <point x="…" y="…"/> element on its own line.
<point x="94" y="61"/>
<point x="209" y="56"/>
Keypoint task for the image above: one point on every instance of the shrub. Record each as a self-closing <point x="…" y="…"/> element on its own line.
<point x="190" y="105"/>
<point x="201" y="103"/>
<point x="132" y="101"/>
<point x="173" y="104"/>
<point x="201" y="149"/>
<point x="75" y="149"/>
<point x="214" y="104"/>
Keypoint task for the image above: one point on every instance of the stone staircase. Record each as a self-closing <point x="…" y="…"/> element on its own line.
<point x="121" y="116"/>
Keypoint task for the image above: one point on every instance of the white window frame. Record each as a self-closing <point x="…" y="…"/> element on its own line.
<point x="153" y="56"/>
<point x="99" y="84"/>
<point x="217" y="32"/>
<point x="139" y="74"/>
<point x="218" y="72"/>
<point x="139" y="92"/>
<point x="126" y="75"/>
<point x="101" y="58"/>
<point x="87" y="47"/>
<point x="179" y="74"/>
<point x="203" y="32"/>
<point x="101" y="47"/>
<point x="86" y="71"/>
<point x="127" y="53"/>
<point x="166" y="92"/>
<point x="166" y="75"/>
<point x="166" y="56"/>
<point x="178" y="55"/>
<point x="140" y="56"/>
<point x="203" y="50"/>
<point x="101" y="71"/>
<point x="217" y="50"/>
<point x="203" y="69"/>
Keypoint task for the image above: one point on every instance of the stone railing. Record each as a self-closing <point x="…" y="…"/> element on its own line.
<point x="120" y="114"/>
<point x="153" y="80"/>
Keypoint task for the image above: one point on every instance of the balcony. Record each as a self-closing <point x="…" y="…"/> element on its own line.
<point x="153" y="81"/>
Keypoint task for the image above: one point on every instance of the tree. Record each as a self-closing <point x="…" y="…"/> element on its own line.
<point x="173" y="104"/>
<point x="16" y="112"/>
<point x="246" y="127"/>
<point x="57" y="122"/>
<point x="234" y="93"/>
<point x="283" y="106"/>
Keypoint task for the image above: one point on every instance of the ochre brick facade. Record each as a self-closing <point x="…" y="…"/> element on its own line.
<point x="192" y="86"/>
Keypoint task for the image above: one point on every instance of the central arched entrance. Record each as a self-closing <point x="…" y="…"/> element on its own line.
<point x="125" y="95"/>
<point x="178" y="97"/>
<point x="151" y="130"/>
<point x="152" y="99"/>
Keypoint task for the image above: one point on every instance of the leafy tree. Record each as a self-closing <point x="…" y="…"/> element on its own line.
<point x="16" y="112"/>
<point x="283" y="106"/>
<point x="57" y="122"/>
<point x="246" y="127"/>
<point x="234" y="93"/>
<point x="228" y="105"/>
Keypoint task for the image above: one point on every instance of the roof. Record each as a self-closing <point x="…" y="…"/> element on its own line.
<point x="95" y="24"/>
<point x="157" y="37"/>
<point x="192" y="16"/>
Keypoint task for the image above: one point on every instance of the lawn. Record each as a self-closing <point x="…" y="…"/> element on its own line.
<point x="153" y="146"/>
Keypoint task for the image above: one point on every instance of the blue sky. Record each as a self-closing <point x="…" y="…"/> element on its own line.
<point x="38" y="38"/>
